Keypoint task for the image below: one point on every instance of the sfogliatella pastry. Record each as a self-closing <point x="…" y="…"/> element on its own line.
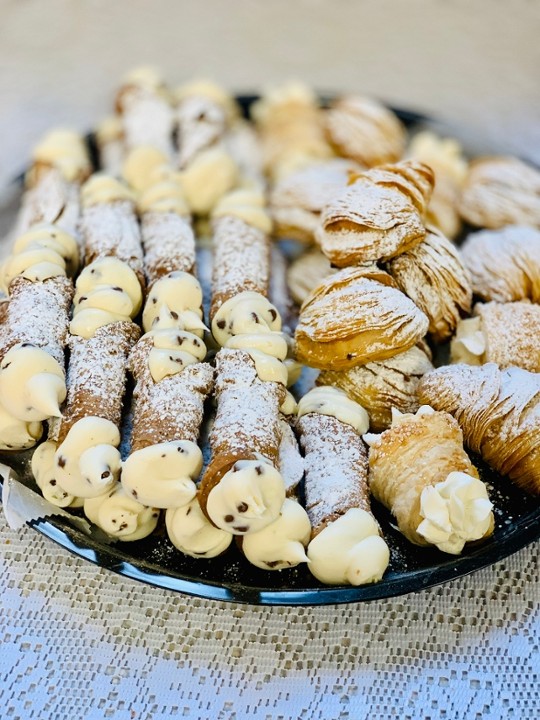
<point x="346" y="546"/>
<point x="291" y="127"/>
<point x="306" y="272"/>
<point x="419" y="470"/>
<point x="145" y="108"/>
<point x="501" y="191"/>
<point x="444" y="156"/>
<point x="504" y="333"/>
<point x="379" y="215"/>
<point x="381" y="386"/>
<point x="433" y="276"/>
<point x="242" y="490"/>
<point x="504" y="264"/>
<point x="498" y="411"/>
<point x="296" y="201"/>
<point x="364" y="130"/>
<point x="354" y="317"/>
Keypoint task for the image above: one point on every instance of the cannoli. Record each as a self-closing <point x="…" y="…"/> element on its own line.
<point x="501" y="191"/>
<point x="346" y="546"/>
<point x="242" y="491"/>
<point x="144" y="105"/>
<point x="503" y="333"/>
<point x="433" y="276"/>
<point x="191" y="532"/>
<point x="110" y="145"/>
<point x="307" y="272"/>
<point x="381" y="386"/>
<point x="242" y="143"/>
<point x="18" y="434"/>
<point x="419" y="470"/>
<point x="208" y="171"/>
<point x="44" y="472"/>
<point x="109" y="223"/>
<point x="498" y="411"/>
<point x="172" y="385"/>
<point x="379" y="215"/>
<point x="174" y="301"/>
<point x="296" y="201"/>
<point x="364" y="130"/>
<point x="504" y="264"/>
<point x="354" y="317"/>
<point x="120" y="516"/>
<point x="291" y="126"/>
<point x="444" y="156"/>
<point x="32" y="341"/>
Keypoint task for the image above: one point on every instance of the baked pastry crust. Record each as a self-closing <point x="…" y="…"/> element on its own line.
<point x="306" y="272"/>
<point x="504" y="264"/>
<point x="434" y="277"/>
<point x="501" y="191"/>
<point x="354" y="317"/>
<point x="378" y="216"/>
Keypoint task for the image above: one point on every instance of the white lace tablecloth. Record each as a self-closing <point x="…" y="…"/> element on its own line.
<point x="77" y="641"/>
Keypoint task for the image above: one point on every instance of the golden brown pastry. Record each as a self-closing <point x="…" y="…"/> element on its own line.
<point x="365" y="130"/>
<point x="501" y="191"/>
<point x="381" y="386"/>
<point x="354" y="317"/>
<point x="503" y="333"/>
<point x="419" y="470"/>
<point x="498" y="411"/>
<point x="379" y="215"/>
<point x="433" y="276"/>
<point x="444" y="156"/>
<point x="306" y="272"/>
<point x="296" y="201"/>
<point x="504" y="264"/>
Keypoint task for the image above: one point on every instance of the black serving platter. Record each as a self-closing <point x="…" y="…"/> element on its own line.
<point x="231" y="578"/>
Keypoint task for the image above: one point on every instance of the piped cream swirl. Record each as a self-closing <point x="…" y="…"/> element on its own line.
<point x="328" y="400"/>
<point x="65" y="150"/>
<point x="193" y="534"/>
<point x="349" y="551"/>
<point x="173" y="351"/>
<point x="17" y="434"/>
<point x="455" y="512"/>
<point x="244" y="314"/>
<point x="246" y="204"/>
<point x="120" y="516"/>
<point x="179" y="296"/>
<point x="44" y="472"/>
<point x="103" y="188"/>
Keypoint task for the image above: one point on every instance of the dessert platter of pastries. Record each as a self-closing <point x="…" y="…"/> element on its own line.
<point x="273" y="352"/>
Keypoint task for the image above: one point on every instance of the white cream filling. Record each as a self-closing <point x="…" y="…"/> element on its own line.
<point x="47" y="235"/>
<point x="294" y="370"/>
<point x="65" y="150"/>
<point x="164" y="196"/>
<point x="174" y="350"/>
<point x="88" y="462"/>
<point x="32" y="384"/>
<point x="179" y="296"/>
<point x="349" y="551"/>
<point x="103" y="188"/>
<point x="328" y="400"/>
<point x="248" y="497"/>
<point x="245" y="313"/>
<point x="44" y="472"/>
<point x="281" y="544"/>
<point x="33" y="263"/>
<point x="289" y="406"/>
<point x="469" y="343"/>
<point x="208" y="177"/>
<point x="248" y="205"/>
<point x="17" y="434"/>
<point x="455" y="512"/>
<point x="193" y="534"/>
<point x="120" y="516"/>
<point x="163" y="475"/>
<point x="140" y="164"/>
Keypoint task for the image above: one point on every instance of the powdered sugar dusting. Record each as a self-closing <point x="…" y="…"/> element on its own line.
<point x="111" y="230"/>
<point x="169" y="244"/>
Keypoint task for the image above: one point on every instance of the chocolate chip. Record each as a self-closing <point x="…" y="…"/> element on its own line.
<point x="241" y="528"/>
<point x="123" y="526"/>
<point x="273" y="313"/>
<point x="228" y="518"/>
<point x="271" y="563"/>
<point x="179" y="340"/>
<point x="197" y="343"/>
<point x="221" y="324"/>
<point x="52" y="482"/>
<point x="164" y="455"/>
<point x="27" y="345"/>
<point x="113" y="521"/>
<point x="134" y="493"/>
<point x="188" y="511"/>
<point x="259" y="470"/>
<point x="111" y="493"/>
<point x="82" y="299"/>
<point x="234" y="468"/>
<point x="180" y="449"/>
<point x="61" y="462"/>
<point x="174" y="315"/>
<point x="64" y="495"/>
<point x="255" y="317"/>
<point x="155" y="515"/>
<point x="92" y="271"/>
<point x="88" y="481"/>
<point x="154" y="301"/>
<point x="105" y="475"/>
<point x="242" y="508"/>
<point x="176" y="360"/>
<point x="118" y="289"/>
<point x="5" y="367"/>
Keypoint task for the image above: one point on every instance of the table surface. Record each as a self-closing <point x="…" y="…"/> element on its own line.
<point x="79" y="641"/>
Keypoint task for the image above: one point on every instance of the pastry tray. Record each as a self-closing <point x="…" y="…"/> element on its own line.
<point x="230" y="577"/>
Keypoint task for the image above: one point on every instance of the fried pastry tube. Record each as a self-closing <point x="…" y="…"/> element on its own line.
<point x="419" y="470"/>
<point x="365" y="130"/>
<point x="354" y="317"/>
<point x="379" y="215"/>
<point x="346" y="546"/>
<point x="60" y="163"/>
<point x="504" y="264"/>
<point x="291" y="127"/>
<point x="383" y="385"/>
<point x="172" y="384"/>
<point x="504" y="333"/>
<point x="145" y="106"/>
<point x="242" y="491"/>
<point x="432" y="274"/>
<point x="498" y="411"/>
<point x="204" y="113"/>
